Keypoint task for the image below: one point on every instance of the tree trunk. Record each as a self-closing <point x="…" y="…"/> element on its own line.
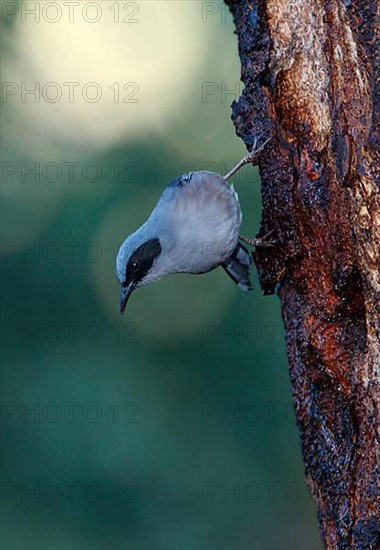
<point x="311" y="70"/>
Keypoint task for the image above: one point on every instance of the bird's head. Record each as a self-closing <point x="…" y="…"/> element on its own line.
<point x="135" y="264"/>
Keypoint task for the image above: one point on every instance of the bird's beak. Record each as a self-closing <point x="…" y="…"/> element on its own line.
<point x="125" y="293"/>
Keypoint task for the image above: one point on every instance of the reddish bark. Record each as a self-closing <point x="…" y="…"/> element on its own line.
<point x="312" y="81"/>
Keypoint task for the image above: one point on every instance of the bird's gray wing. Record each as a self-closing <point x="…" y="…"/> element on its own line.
<point x="237" y="266"/>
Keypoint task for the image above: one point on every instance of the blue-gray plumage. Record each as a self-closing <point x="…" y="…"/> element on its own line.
<point x="194" y="228"/>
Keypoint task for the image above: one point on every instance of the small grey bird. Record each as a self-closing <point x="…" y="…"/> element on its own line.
<point x="194" y="228"/>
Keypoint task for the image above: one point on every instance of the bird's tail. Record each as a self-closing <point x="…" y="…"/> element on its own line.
<point x="237" y="267"/>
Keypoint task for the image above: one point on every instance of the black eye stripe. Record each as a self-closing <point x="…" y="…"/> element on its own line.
<point x="142" y="260"/>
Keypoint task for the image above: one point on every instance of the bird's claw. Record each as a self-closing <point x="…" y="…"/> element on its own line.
<point x="251" y="158"/>
<point x="260" y="242"/>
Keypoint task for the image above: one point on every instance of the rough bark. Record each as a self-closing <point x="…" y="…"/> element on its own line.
<point x="311" y="70"/>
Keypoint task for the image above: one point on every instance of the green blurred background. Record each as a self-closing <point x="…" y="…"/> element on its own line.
<point x="172" y="427"/>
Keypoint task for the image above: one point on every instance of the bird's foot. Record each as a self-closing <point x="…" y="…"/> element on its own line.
<point x="260" y="241"/>
<point x="251" y="158"/>
<point x="256" y="150"/>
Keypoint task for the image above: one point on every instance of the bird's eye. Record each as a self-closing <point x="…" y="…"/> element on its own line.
<point x="135" y="265"/>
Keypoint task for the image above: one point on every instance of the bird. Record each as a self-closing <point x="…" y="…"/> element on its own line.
<point x="194" y="228"/>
